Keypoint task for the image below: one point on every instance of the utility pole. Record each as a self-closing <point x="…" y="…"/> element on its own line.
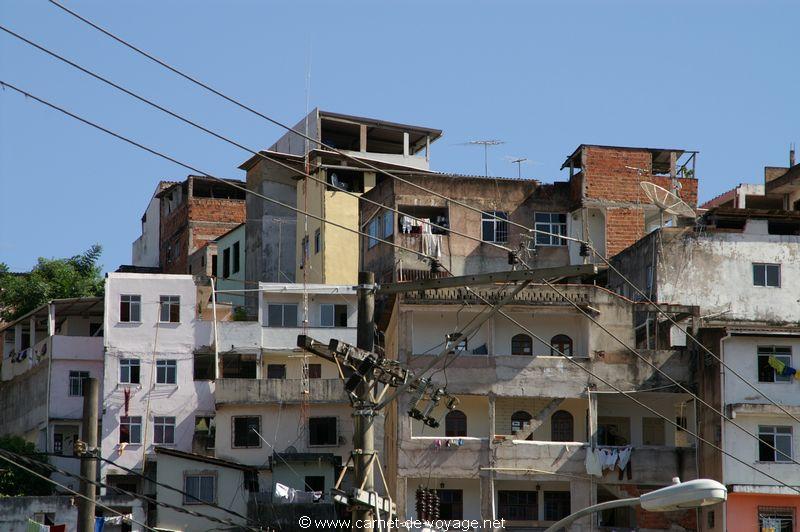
<point x="86" y="506"/>
<point x="364" y="413"/>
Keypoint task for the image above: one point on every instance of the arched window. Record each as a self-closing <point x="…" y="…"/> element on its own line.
<point x="562" y="426"/>
<point x="561" y="342"/>
<point x="521" y="344"/>
<point x="518" y="420"/>
<point x="455" y="423"/>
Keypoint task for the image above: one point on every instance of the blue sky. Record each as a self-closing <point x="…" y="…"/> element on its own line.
<point x="718" y="77"/>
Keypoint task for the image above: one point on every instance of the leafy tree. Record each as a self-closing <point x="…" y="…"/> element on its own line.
<point x="16" y="482"/>
<point x="78" y="276"/>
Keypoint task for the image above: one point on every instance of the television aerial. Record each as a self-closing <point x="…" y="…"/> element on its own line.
<point x="485" y="143"/>
<point x="519" y="161"/>
<point x="666" y="201"/>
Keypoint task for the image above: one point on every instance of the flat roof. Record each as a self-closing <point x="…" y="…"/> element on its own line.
<point x="433" y="133"/>
<point x="203" y="458"/>
<point x="575" y="156"/>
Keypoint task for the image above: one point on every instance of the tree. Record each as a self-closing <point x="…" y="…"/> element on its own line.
<point x="16" y="482"/>
<point x="78" y="276"/>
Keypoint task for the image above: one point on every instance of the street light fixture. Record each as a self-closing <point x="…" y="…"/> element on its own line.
<point x="678" y="496"/>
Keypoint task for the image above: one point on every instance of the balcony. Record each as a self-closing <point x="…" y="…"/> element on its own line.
<point x="283" y="338"/>
<point x="419" y="455"/>
<point x="287" y="391"/>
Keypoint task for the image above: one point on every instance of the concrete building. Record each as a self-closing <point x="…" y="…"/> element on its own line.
<point x="46" y="355"/>
<point x="230" y="267"/>
<point x="739" y="265"/>
<point x="515" y="446"/>
<point x="304" y="421"/>
<point x="285" y="247"/>
<point x="154" y="391"/>
<point x="184" y="216"/>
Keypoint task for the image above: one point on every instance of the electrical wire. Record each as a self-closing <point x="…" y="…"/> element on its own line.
<point x="179" y="509"/>
<point x="70" y="490"/>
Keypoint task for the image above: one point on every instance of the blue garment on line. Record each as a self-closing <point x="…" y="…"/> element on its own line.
<point x="99" y="523"/>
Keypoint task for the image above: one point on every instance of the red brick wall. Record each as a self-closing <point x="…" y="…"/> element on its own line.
<point x="624" y="226"/>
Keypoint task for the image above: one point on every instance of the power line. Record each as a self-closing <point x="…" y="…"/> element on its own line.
<point x="126" y="492"/>
<point x="31" y="471"/>
<point x="219" y="136"/>
<point x="200" y="172"/>
<point x="303" y="135"/>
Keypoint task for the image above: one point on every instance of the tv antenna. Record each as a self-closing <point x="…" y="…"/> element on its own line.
<point x="666" y="201"/>
<point x="518" y="161"/>
<point x="486" y="143"/>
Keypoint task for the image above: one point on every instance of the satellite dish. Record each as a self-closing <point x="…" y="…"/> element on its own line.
<point x="667" y="201"/>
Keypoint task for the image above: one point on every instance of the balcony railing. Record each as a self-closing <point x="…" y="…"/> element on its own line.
<point x="244" y="391"/>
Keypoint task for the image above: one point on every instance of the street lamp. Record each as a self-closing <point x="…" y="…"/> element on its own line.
<point x="678" y="496"/>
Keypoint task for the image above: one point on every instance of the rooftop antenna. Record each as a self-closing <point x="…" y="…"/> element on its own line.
<point x="518" y="161"/>
<point x="486" y="143"/>
<point x="666" y="201"/>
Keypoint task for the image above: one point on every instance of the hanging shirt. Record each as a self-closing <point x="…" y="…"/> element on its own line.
<point x="593" y="466"/>
<point x="624" y="456"/>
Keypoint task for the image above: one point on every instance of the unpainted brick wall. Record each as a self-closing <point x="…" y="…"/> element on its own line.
<point x="686" y="519"/>
<point x="624" y="226"/>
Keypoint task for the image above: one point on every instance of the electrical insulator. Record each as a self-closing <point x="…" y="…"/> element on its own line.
<point x="584" y="250"/>
<point x="420" y="503"/>
<point x="434" y="510"/>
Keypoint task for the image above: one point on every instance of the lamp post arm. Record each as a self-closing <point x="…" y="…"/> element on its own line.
<point x="634" y="501"/>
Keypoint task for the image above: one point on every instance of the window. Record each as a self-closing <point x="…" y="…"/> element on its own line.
<point x="613" y="430"/>
<point x="333" y="315"/>
<point x="244" y="431"/>
<point x="236" y="258"/>
<point x="517" y="505"/>
<point x="129" y="371"/>
<point x="521" y="344"/>
<point x="776" y="519"/>
<point x="518" y="420"/>
<point x="550" y="222"/>
<point x="322" y="431"/>
<point x="170" y="309"/>
<point x="76" y="382"/>
<point x="372" y="231"/>
<point x="315" y="483"/>
<point x="276" y="371"/>
<point x="561" y="343"/>
<point x="200" y="489"/>
<point x="204" y="434"/>
<point x="214" y="265"/>
<point x="203" y="366"/>
<point x="239" y="366"/>
<point x="451" y="504"/>
<point x="164" y="429"/>
<point x="166" y="372"/>
<point x="562" y="426"/>
<point x="226" y="263"/>
<point x="305" y="250"/>
<point x="315" y="371"/>
<point x="95" y="329"/>
<point x="58" y="443"/>
<point x="653" y="431"/>
<point x="388" y="224"/>
<point x="130" y="309"/>
<point x="317" y="241"/>
<point x="766" y="372"/>
<point x="766" y="274"/>
<point x="494" y="226"/>
<point x="455" y="423"/>
<point x="556" y="505"/>
<point x="130" y="429"/>
<point x="778" y="437"/>
<point x="282" y="315"/>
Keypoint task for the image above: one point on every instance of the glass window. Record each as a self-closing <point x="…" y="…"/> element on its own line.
<point x="518" y="420"/>
<point x="776" y="519"/>
<point x="130" y="308"/>
<point x="282" y="315"/>
<point x="550" y="222"/>
<point x="322" y="431"/>
<point x="164" y="429"/>
<point x="236" y="258"/>
<point x="129" y="371"/>
<point x="451" y="504"/>
<point x="333" y="315"/>
<point x="388" y="224"/>
<point x="517" y="505"/>
<point x="778" y="437"/>
<point x="246" y="430"/>
<point x="200" y="489"/>
<point x="130" y="429"/>
<point x="562" y="426"/>
<point x="372" y="231"/>
<point x="455" y="423"/>
<point x="76" y="382"/>
<point x="166" y="372"/>
<point x="170" y="309"/>
<point x="521" y="344"/>
<point x="766" y="274"/>
<point x="494" y="226"/>
<point x="315" y="371"/>
<point x="561" y="343"/>
<point x="769" y="373"/>
<point x="276" y="371"/>
<point x="556" y="505"/>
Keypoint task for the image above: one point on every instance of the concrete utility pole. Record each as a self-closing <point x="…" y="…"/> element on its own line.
<point x="364" y="413"/>
<point x="86" y="507"/>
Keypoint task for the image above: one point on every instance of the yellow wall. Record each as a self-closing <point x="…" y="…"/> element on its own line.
<point x="506" y="406"/>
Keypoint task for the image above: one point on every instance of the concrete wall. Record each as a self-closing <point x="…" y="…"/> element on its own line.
<point x="743" y="508"/>
<point x="230" y="494"/>
<point x="15" y="511"/>
<point x="150" y="341"/>
<point x="145" y="250"/>
<point x="740" y="354"/>
<point x="746" y="448"/>
<point x="235" y="279"/>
